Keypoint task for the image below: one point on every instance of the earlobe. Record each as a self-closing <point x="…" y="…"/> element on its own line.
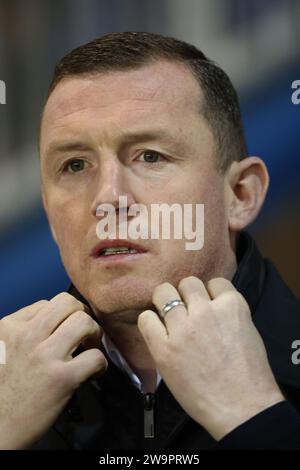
<point x="248" y="182"/>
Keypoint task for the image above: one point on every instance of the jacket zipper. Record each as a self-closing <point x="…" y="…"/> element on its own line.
<point x="149" y="401"/>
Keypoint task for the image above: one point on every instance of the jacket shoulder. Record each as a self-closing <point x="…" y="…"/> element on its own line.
<point x="277" y="318"/>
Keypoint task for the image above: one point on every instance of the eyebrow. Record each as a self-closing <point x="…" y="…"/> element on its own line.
<point x="128" y="137"/>
<point x="148" y="135"/>
<point x="66" y="147"/>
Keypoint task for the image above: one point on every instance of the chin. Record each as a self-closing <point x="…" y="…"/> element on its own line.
<point x="116" y="298"/>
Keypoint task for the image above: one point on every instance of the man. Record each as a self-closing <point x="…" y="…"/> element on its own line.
<point x="154" y="346"/>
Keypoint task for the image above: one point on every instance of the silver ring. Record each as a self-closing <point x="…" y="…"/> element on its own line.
<point x="169" y="305"/>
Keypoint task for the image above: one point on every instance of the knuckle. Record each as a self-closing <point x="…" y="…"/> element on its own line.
<point x="235" y="303"/>
<point x="64" y="297"/>
<point x="231" y="297"/>
<point x="99" y="360"/>
<point x="237" y="300"/>
<point x="84" y="318"/>
<point x="41" y="303"/>
<point x="68" y="299"/>
<point x="96" y="327"/>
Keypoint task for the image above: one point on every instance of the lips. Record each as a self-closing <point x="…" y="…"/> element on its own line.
<point x="116" y="247"/>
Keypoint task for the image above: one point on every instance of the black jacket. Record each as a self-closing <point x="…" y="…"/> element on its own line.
<point x="111" y="413"/>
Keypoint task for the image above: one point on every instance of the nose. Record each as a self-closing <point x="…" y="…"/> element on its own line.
<point x="112" y="182"/>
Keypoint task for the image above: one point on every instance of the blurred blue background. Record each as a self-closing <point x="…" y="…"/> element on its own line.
<point x="257" y="44"/>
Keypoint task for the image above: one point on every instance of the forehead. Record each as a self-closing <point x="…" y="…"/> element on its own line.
<point x="160" y="90"/>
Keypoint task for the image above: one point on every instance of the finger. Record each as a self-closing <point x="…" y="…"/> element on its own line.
<point x="55" y="312"/>
<point x="87" y="364"/>
<point x="193" y="293"/>
<point x="163" y="294"/>
<point x="30" y="311"/>
<point x="76" y="329"/>
<point x="228" y="298"/>
<point x="153" y="332"/>
<point x="218" y="286"/>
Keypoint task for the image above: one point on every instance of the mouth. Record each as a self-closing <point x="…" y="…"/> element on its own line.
<point x="117" y="250"/>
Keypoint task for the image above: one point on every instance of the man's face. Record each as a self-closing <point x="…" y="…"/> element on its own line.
<point x="96" y="136"/>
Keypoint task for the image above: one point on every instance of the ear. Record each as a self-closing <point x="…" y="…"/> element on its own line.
<point x="247" y="185"/>
<point x="45" y="204"/>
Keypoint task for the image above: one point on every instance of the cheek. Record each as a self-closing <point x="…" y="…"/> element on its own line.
<point x="208" y="190"/>
<point x="68" y="221"/>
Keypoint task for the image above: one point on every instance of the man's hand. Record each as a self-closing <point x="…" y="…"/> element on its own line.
<point x="40" y="374"/>
<point x="210" y="354"/>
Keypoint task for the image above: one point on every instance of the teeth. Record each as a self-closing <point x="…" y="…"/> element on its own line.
<point x="117" y="250"/>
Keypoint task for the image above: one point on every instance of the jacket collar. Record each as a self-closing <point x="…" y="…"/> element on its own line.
<point x="250" y="275"/>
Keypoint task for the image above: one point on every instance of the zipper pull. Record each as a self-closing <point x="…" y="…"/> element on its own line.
<point x="149" y="401"/>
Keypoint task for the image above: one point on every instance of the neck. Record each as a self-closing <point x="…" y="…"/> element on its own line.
<point x="123" y="331"/>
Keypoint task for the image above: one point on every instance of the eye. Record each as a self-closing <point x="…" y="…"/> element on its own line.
<point x="151" y="156"/>
<point x="74" y="166"/>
